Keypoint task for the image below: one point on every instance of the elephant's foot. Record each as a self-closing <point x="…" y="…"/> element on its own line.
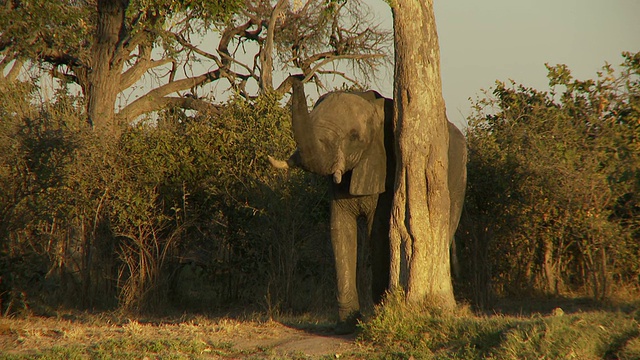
<point x="348" y="325"/>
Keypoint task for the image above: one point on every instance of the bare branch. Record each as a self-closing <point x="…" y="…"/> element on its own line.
<point x="182" y="41"/>
<point x="57" y="57"/>
<point x="342" y="74"/>
<point x="285" y="86"/>
<point x="190" y="103"/>
<point x="66" y="77"/>
<point x="13" y="73"/>
<point x="266" y="53"/>
<point x="320" y="31"/>
<point x="150" y="101"/>
<point x="137" y="70"/>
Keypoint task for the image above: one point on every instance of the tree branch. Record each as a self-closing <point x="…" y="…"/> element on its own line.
<point x="182" y="41"/>
<point x="266" y="53"/>
<point x="190" y="103"/>
<point x="13" y="73"/>
<point x="69" y="78"/>
<point x="155" y="98"/>
<point x="144" y="63"/>
<point x="56" y="58"/>
<point x="285" y="86"/>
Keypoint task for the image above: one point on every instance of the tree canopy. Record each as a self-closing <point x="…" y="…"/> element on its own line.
<point x="160" y="48"/>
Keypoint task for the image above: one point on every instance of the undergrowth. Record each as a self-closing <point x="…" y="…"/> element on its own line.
<point x="402" y="331"/>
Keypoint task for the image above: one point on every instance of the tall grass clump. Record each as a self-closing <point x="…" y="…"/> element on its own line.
<point x="403" y="331"/>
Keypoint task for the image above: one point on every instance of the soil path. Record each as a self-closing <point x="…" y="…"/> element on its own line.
<point x="285" y="340"/>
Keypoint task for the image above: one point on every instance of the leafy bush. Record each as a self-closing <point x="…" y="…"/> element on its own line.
<point x="552" y="201"/>
<point x="182" y="208"/>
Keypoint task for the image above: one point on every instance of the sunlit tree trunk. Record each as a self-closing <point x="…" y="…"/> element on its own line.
<point x="106" y="64"/>
<point x="420" y="218"/>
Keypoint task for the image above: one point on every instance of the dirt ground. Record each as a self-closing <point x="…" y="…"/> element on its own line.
<point x="236" y="338"/>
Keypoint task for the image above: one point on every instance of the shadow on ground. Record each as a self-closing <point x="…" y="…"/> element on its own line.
<point x="551" y="305"/>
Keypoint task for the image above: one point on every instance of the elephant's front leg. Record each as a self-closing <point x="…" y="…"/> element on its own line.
<point x="345" y="249"/>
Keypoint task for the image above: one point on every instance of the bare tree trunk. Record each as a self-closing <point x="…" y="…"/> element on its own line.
<point x="106" y="64"/>
<point x="420" y="215"/>
<point x="549" y="267"/>
<point x="266" y="54"/>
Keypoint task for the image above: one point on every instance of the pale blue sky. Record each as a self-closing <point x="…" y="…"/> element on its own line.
<point x="489" y="40"/>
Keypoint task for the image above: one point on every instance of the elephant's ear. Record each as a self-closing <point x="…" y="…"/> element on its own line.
<point x="368" y="177"/>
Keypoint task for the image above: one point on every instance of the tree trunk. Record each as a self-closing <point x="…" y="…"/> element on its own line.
<point x="106" y="65"/>
<point x="266" y="53"/>
<point x="420" y="215"/>
<point x="549" y="267"/>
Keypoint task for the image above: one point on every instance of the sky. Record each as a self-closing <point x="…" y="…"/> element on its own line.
<point x="482" y="41"/>
<point x="489" y="40"/>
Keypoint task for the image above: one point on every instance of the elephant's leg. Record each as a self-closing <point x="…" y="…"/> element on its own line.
<point x="380" y="252"/>
<point x="344" y="241"/>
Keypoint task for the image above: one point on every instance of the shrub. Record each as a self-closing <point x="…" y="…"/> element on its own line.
<point x="553" y="181"/>
<point x="183" y="208"/>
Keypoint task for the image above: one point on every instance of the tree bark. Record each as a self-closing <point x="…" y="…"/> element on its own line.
<point x="420" y="215"/>
<point x="266" y="54"/>
<point x="106" y="65"/>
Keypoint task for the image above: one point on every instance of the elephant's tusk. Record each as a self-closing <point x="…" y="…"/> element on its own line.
<point x="278" y="164"/>
<point x="337" y="177"/>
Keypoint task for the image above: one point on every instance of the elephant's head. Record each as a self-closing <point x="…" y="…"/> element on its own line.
<point x="344" y="132"/>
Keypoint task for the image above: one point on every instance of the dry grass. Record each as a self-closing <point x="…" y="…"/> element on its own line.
<point x="91" y="336"/>
<point x="571" y="329"/>
<point x="579" y="331"/>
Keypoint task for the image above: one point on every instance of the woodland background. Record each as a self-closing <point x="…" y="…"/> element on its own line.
<point x="172" y="204"/>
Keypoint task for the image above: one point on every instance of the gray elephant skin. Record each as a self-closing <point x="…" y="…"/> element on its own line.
<point x="349" y="136"/>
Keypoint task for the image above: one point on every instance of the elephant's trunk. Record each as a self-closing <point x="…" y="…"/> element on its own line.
<point x="300" y="119"/>
<point x="338" y="167"/>
<point x="311" y="153"/>
<point x="309" y="148"/>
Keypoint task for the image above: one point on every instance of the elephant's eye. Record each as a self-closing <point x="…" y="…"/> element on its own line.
<point x="353" y="135"/>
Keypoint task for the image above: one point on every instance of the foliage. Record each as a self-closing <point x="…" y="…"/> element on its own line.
<point x="254" y="214"/>
<point x="29" y="28"/>
<point x="162" y="54"/>
<point x="554" y="178"/>
<point x="38" y="149"/>
<point x="40" y="28"/>
<point x="181" y="208"/>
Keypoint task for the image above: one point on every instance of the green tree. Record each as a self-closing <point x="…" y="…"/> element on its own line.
<point x="112" y="48"/>
<point x="553" y="183"/>
<point x="188" y="182"/>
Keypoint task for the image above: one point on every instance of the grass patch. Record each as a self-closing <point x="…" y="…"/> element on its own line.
<point x="395" y="331"/>
<point x="135" y="347"/>
<point x="132" y="348"/>
<point x="400" y="331"/>
<point x="48" y="338"/>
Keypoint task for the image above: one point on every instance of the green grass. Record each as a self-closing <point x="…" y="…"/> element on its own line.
<point x="400" y="331"/>
<point x="395" y="331"/>
<point x="136" y="348"/>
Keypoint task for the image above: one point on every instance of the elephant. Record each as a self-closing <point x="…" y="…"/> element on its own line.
<point x="349" y="137"/>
